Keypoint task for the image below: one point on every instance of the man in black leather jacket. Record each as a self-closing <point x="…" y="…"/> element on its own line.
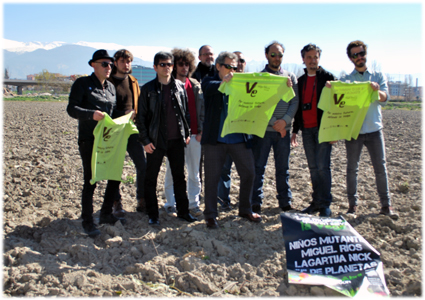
<point x="163" y="122"/>
<point x="90" y="98"/>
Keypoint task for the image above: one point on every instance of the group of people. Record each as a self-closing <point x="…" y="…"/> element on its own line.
<point x="180" y="114"/>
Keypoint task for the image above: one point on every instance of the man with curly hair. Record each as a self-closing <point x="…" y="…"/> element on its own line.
<point x="184" y="62"/>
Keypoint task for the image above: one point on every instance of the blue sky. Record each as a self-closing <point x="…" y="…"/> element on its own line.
<point x="392" y="31"/>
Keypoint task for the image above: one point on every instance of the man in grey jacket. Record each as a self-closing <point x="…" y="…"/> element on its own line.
<point x="276" y="136"/>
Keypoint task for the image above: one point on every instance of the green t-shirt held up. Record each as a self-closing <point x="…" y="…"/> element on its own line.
<point x="344" y="108"/>
<point x="110" y="145"/>
<point x="252" y="100"/>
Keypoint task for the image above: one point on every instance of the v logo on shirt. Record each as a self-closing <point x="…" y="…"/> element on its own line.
<point x="106" y="136"/>
<point x="251" y="90"/>
<point x="338" y="101"/>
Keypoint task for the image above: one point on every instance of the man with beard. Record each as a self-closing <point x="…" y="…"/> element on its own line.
<point x="371" y="134"/>
<point x="184" y="62"/>
<point x="276" y="136"/>
<point x="307" y="118"/>
<point x="206" y="63"/>
<point x="90" y="98"/>
<point x="128" y="92"/>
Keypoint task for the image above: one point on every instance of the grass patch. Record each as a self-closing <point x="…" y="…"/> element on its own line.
<point x="36" y="98"/>
<point x="414" y="105"/>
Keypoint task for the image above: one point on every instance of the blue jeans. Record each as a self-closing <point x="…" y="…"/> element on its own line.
<point x="281" y="150"/>
<point x="375" y="145"/>
<point x="319" y="163"/>
<point x="223" y="189"/>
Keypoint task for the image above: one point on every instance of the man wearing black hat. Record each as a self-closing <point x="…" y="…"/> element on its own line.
<point x="90" y="98"/>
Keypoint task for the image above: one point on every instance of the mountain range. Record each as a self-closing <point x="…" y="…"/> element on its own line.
<point x="22" y="59"/>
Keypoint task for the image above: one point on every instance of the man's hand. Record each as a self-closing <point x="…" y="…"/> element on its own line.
<point x="188" y="140"/>
<point x="149" y="148"/>
<point x="375" y="86"/>
<point x="199" y="137"/>
<point x="294" y="142"/>
<point x="328" y="84"/>
<point x="228" y="77"/>
<point x="133" y="115"/>
<point x="279" y="126"/>
<point x="98" y="115"/>
<point x="289" y="82"/>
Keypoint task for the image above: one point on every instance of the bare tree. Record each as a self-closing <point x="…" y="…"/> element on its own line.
<point x="408" y="90"/>
<point x="374" y="66"/>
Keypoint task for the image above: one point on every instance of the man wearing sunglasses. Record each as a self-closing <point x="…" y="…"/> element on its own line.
<point x="206" y="63"/>
<point x="223" y="192"/>
<point x="307" y="118"/>
<point x="216" y="147"/>
<point x="163" y="123"/>
<point x="90" y="98"/>
<point x="128" y="92"/>
<point x="184" y="66"/>
<point x="276" y="136"/>
<point x="371" y="134"/>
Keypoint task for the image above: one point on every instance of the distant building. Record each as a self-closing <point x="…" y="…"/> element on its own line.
<point x="30" y="77"/>
<point x="401" y="91"/>
<point x="396" y="88"/>
<point x="143" y="74"/>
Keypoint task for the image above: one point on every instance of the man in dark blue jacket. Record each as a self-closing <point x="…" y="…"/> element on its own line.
<point x="216" y="148"/>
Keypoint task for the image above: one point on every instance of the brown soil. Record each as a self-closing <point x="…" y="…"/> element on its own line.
<point x="47" y="253"/>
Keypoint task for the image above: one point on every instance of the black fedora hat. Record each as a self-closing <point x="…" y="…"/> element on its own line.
<point x="100" y="54"/>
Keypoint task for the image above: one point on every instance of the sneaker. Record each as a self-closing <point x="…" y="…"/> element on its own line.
<point x="90" y="229"/>
<point x="171" y="211"/>
<point x="325" y="212"/>
<point x="118" y="210"/>
<point x="256" y="208"/>
<point x="287" y="208"/>
<point x="352" y="210"/>
<point x="195" y="211"/>
<point x="110" y="219"/>
<point x="388" y="211"/>
<point x="312" y="209"/>
<point x="226" y="207"/>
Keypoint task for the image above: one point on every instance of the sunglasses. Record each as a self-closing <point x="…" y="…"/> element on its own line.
<point x="276" y="54"/>
<point x="229" y="67"/>
<point x="105" y="64"/>
<point x="165" y="65"/>
<point x="242" y="61"/>
<point x="355" y="55"/>
<point x="182" y="64"/>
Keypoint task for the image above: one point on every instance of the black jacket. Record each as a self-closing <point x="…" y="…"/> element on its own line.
<point x="203" y="71"/>
<point x="151" y="111"/>
<point x="321" y="76"/>
<point x="87" y="95"/>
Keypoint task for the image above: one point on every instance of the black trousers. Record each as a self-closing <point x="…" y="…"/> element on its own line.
<point x="175" y="154"/>
<point x="111" y="192"/>
<point x="215" y="156"/>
